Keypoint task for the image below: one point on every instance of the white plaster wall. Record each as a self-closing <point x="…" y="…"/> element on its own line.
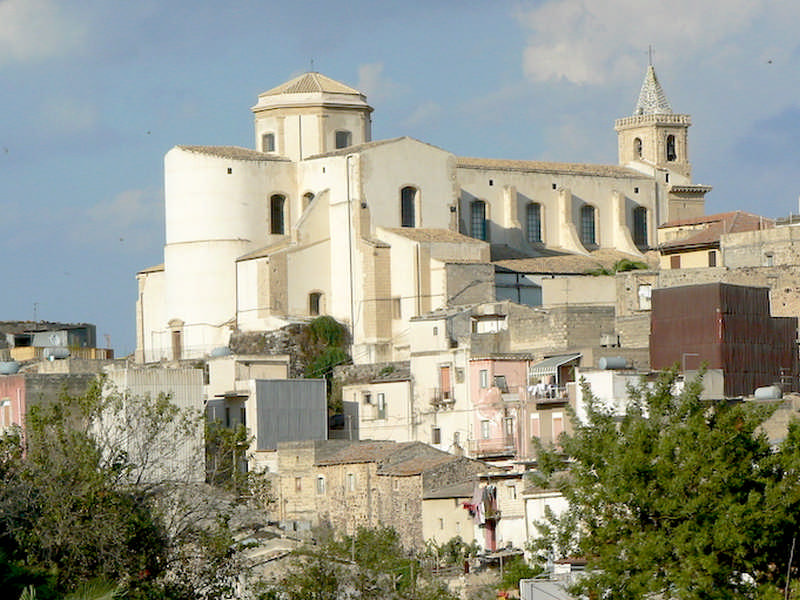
<point x="388" y="168"/>
<point x="538" y="187"/>
<point x="397" y="425"/>
<point x="608" y="386"/>
<point x="535" y="509"/>
<point x="149" y="314"/>
<point x="455" y="520"/>
<point x="579" y="289"/>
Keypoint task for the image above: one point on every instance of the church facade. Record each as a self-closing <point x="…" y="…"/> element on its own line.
<point x="320" y="219"/>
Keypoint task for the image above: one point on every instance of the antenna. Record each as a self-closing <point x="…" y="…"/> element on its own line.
<point x="650" y="53"/>
<point x="312" y="65"/>
<point x="35" y="311"/>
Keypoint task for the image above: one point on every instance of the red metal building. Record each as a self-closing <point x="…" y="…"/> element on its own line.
<point x="726" y="327"/>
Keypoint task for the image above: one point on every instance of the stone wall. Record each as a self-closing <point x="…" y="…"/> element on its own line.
<point x="279" y="341"/>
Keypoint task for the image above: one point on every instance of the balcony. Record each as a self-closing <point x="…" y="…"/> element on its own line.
<point x="441" y="398"/>
<point x="494" y="447"/>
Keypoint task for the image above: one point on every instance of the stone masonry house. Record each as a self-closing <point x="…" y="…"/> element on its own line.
<point x="351" y="484"/>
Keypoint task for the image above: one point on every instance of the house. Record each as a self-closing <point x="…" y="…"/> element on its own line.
<point x="371" y="483"/>
<point x="30" y="340"/>
<point x="696" y="242"/>
<point x="321" y="219"/>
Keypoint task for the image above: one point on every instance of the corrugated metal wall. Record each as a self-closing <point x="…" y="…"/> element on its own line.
<point x="290" y="410"/>
<point x="727" y="327"/>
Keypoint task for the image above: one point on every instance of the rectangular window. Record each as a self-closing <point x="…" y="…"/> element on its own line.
<point x="768" y="259"/>
<point x="351" y="482"/>
<point x="712" y="258"/>
<point x="367" y="398"/>
<point x="395" y="484"/>
<point x="436" y="435"/>
<point x="534" y="223"/>
<point x="484" y="378"/>
<point x="500" y="383"/>
<point x="645" y="294"/>
<point x="243" y="415"/>
<point x="298" y="484"/>
<point x="558" y="425"/>
<point x="486" y="430"/>
<point x="512" y="491"/>
<point x="441" y="523"/>
<point x="508" y="427"/>
<point x="320" y="485"/>
<point x="478" y="219"/>
<point x="640" y="226"/>
<point x="343" y="139"/>
<point x="268" y="142"/>
<point x="675" y="261"/>
<point x="588" y="235"/>
<point x="444" y="382"/>
<point x="381" y="405"/>
<point x="276" y="204"/>
<point x="397" y="312"/>
<point x="535" y="426"/>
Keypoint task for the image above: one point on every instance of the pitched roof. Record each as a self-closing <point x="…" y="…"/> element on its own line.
<point x="394" y="458"/>
<point x="310" y="83"/>
<point x="652" y="99"/>
<point x="367" y="145"/>
<point x="421" y="234"/>
<point x="153" y="269"/>
<point x="536" y="166"/>
<point x="234" y="153"/>
<point x="716" y="226"/>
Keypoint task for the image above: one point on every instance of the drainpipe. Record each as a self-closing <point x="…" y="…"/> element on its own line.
<point x="350" y="252"/>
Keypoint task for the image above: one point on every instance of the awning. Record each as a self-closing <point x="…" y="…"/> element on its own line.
<point x="549" y="366"/>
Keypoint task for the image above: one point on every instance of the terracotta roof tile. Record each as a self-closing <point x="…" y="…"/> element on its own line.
<point x="433" y="235"/>
<point x="235" y="153"/>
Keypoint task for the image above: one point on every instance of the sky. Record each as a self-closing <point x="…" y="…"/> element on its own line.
<point x="94" y="93"/>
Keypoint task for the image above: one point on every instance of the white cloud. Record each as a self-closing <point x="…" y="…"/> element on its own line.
<point x="373" y="83"/>
<point x="598" y="41"/>
<point x="32" y="30"/>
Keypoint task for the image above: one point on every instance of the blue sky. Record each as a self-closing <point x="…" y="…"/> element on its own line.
<point x="95" y="92"/>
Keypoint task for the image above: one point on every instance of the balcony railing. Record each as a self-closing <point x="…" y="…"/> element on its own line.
<point x="441" y="398"/>
<point x="494" y="447"/>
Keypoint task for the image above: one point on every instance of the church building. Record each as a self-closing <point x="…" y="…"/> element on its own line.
<point x="319" y="219"/>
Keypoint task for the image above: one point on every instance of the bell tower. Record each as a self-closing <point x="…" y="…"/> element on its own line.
<point x="654" y="136"/>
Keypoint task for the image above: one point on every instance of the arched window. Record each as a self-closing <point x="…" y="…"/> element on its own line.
<point x="671" y="154"/>
<point x="533" y="222"/>
<point x="640" y="226"/>
<point x="268" y="142"/>
<point x="343" y="139"/>
<point x="408" y="200"/>
<point x="314" y="303"/>
<point x="308" y="197"/>
<point x="478" y="219"/>
<point x="637" y="148"/>
<point x="276" y="220"/>
<point x="588" y="234"/>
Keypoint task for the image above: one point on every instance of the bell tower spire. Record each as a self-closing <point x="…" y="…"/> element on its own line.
<point x="654" y="136"/>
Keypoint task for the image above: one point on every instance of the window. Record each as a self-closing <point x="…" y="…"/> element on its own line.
<point x="436" y="435"/>
<point x="444" y="382"/>
<point x="243" y="415"/>
<point x="712" y="258"/>
<point x="308" y="197"/>
<point x="298" y="484"/>
<point x="227" y="416"/>
<point x="500" y="383"/>
<point x="535" y="426"/>
<point x="367" y="398"/>
<point x="478" y="219"/>
<point x="671" y="154"/>
<point x="637" y="148"/>
<point x="588" y="237"/>
<point x="314" y="301"/>
<point x="435" y="331"/>
<point x="320" y="485"/>
<point x="441" y="523"/>
<point x="486" y="429"/>
<point x="512" y="491"/>
<point x="456" y="438"/>
<point x="343" y="139"/>
<point x="351" y="482"/>
<point x="769" y="259"/>
<point x="408" y="199"/>
<point x="397" y="312"/>
<point x="276" y="204"/>
<point x="484" y="378"/>
<point x="268" y="142"/>
<point x="381" y="405"/>
<point x="533" y="223"/>
<point x="675" y="262"/>
<point x="640" y="226"/>
<point x="558" y="425"/>
<point x="508" y="427"/>
<point x="645" y="293"/>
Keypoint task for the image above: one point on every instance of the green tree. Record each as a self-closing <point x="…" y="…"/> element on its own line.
<point x="323" y="346"/>
<point x="680" y="498"/>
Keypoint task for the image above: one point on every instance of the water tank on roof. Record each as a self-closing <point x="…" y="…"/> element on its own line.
<point x="612" y="362"/>
<point x="9" y="367"/>
<point x="769" y="392"/>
